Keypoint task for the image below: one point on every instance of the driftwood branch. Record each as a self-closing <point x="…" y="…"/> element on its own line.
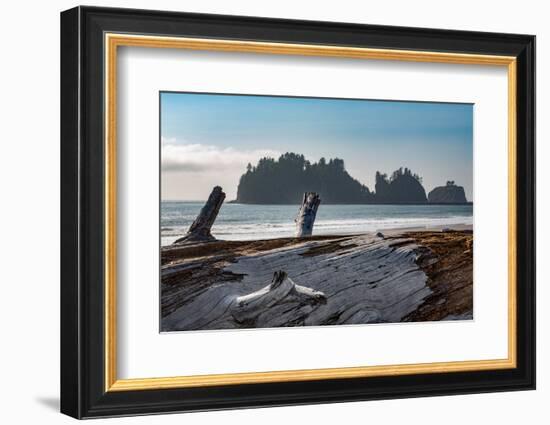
<point x="200" y="229"/>
<point x="307" y="214"/>
<point x="282" y="301"/>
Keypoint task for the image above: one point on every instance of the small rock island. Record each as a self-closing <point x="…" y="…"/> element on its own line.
<point x="448" y="194"/>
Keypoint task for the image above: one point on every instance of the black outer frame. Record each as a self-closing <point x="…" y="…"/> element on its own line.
<point x="82" y="212"/>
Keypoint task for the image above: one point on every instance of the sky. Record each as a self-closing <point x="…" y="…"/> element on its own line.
<point x="208" y="139"/>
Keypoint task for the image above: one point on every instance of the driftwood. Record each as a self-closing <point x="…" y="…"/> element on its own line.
<point x="272" y="303"/>
<point x="307" y="214"/>
<point x="327" y="280"/>
<point x="200" y="229"/>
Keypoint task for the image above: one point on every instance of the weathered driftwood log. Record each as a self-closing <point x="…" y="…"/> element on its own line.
<point x="363" y="279"/>
<point x="307" y="214"/>
<point x="282" y="301"/>
<point x="200" y="229"/>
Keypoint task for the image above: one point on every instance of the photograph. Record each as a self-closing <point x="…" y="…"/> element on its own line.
<point x="280" y="211"/>
<point x="294" y="209"/>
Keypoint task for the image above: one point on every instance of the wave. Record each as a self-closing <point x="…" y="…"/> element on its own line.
<point x="251" y="231"/>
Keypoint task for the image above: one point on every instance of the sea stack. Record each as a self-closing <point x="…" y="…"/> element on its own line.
<point x="448" y="194"/>
<point x="402" y="187"/>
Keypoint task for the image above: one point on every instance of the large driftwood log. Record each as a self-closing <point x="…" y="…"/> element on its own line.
<point x="339" y="280"/>
<point x="365" y="279"/>
<point x="307" y="214"/>
<point x="200" y="229"/>
<point x="346" y="280"/>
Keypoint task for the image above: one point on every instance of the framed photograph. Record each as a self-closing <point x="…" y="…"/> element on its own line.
<point x="261" y="212"/>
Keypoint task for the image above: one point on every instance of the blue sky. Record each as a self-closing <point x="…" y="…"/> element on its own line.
<point x="209" y="138"/>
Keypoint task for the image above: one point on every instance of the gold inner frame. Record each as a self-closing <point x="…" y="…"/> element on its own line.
<point x="113" y="41"/>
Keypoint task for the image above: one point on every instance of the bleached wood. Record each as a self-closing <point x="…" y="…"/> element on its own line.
<point x="200" y="229"/>
<point x="258" y="307"/>
<point x="306" y="215"/>
<point x="339" y="280"/>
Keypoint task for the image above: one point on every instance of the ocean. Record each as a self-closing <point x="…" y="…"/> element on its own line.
<point x="249" y="222"/>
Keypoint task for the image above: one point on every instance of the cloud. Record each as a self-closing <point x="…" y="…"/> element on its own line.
<point x="199" y="158"/>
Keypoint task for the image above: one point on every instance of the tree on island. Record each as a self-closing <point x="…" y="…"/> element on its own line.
<point x="403" y="186"/>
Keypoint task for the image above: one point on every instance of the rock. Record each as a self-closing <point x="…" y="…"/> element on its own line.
<point x="284" y="180"/>
<point x="448" y="194"/>
<point x="402" y="187"/>
<point x="380" y="235"/>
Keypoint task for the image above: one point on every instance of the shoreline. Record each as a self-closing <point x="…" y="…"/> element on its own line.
<point x="249" y="222"/>
<point x="235" y="202"/>
<point x="389" y="231"/>
<point x="417" y="204"/>
<point x="436" y="228"/>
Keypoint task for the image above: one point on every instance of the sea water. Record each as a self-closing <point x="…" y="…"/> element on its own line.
<point x="249" y="222"/>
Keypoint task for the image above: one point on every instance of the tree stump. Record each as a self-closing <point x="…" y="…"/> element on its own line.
<point x="200" y="229"/>
<point x="307" y="214"/>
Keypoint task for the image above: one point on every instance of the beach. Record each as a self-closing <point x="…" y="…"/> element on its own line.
<point x="253" y="222"/>
<point x="401" y="274"/>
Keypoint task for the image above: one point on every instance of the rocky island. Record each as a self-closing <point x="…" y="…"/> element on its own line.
<point x="283" y="181"/>
<point x="448" y="194"/>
